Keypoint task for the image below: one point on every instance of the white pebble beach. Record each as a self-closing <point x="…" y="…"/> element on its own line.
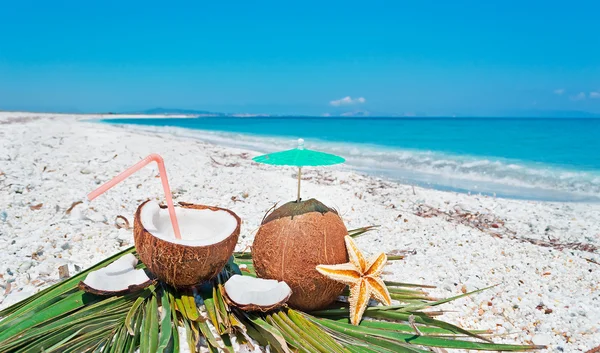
<point x="541" y="258"/>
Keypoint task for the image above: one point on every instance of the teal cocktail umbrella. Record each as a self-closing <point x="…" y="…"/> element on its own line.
<point x="299" y="157"/>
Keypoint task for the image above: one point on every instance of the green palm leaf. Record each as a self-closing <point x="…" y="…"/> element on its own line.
<point x="62" y="318"/>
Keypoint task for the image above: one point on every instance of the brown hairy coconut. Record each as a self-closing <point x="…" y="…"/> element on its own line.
<point x="209" y="235"/>
<point x="292" y="241"/>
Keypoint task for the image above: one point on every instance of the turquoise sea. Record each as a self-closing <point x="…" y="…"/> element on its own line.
<point x="530" y="158"/>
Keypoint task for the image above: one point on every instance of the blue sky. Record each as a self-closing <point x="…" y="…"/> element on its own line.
<point x="437" y="58"/>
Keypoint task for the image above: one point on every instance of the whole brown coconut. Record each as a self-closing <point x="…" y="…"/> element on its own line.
<point x="183" y="265"/>
<point x="292" y="241"/>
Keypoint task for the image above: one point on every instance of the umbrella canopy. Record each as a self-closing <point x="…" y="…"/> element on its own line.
<point x="299" y="157"/>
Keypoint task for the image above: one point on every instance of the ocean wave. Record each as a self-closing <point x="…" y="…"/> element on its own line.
<point x="488" y="175"/>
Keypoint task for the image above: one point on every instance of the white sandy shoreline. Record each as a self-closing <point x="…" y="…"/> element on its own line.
<point x="544" y="293"/>
<point x="107" y="116"/>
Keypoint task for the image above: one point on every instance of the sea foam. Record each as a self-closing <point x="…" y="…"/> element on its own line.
<point x="444" y="171"/>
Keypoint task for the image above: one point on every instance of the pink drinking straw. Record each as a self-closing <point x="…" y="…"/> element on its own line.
<point x="163" y="177"/>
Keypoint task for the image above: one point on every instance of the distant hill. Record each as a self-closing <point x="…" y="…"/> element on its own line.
<point x="368" y="113"/>
<point x="175" y="111"/>
<point x="534" y="113"/>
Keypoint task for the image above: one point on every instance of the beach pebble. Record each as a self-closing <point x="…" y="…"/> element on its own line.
<point x="25" y="266"/>
<point x="95" y="216"/>
<point x="77" y="213"/>
<point x="3" y="216"/>
<point x="17" y="189"/>
<point x="474" y="283"/>
<point x="124" y="236"/>
<point x="541" y="339"/>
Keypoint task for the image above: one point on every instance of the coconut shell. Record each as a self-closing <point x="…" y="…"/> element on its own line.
<point x="131" y="289"/>
<point x="292" y="241"/>
<point x="254" y="307"/>
<point x="182" y="265"/>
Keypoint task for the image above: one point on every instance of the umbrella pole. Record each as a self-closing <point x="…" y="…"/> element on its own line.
<point x="299" y="179"/>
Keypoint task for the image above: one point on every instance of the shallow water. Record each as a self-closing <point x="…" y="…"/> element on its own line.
<point x="548" y="159"/>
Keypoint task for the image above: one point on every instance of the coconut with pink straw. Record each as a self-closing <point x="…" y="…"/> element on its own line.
<point x="182" y="246"/>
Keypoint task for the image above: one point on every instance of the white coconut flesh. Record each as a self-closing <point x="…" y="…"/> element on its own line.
<point x="123" y="264"/>
<point x="117" y="276"/>
<point x="197" y="227"/>
<point x="247" y="290"/>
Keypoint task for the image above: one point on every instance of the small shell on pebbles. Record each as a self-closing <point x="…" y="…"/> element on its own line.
<point x="122" y="222"/>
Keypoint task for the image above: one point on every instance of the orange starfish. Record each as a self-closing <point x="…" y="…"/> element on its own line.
<point x="362" y="277"/>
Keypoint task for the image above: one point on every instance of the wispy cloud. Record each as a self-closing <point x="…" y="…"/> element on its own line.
<point x="347" y="101"/>
<point x="579" y="96"/>
<point x="595" y="95"/>
<point x="559" y="91"/>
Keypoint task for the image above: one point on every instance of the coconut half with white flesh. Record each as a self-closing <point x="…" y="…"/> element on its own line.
<point x="256" y="294"/>
<point x="120" y="277"/>
<point x="208" y="238"/>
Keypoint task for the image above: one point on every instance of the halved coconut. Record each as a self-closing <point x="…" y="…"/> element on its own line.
<point x="256" y="294"/>
<point x="208" y="238"/>
<point x="119" y="277"/>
